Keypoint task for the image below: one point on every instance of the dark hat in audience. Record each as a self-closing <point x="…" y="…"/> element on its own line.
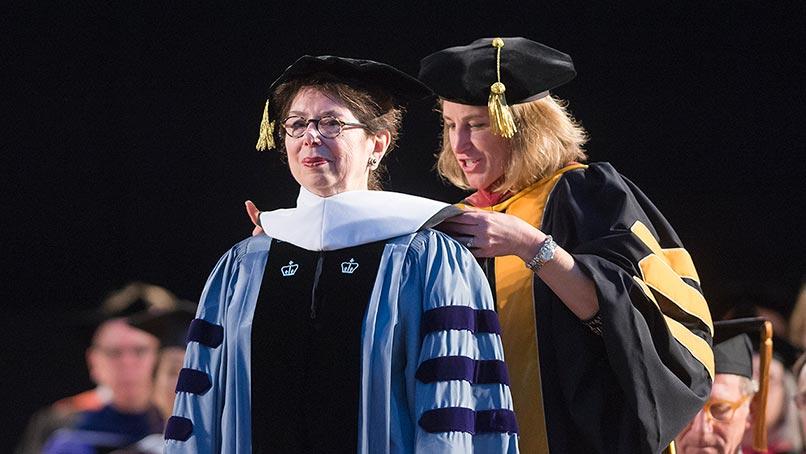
<point x="733" y="355"/>
<point x="133" y="298"/>
<point x="169" y="326"/>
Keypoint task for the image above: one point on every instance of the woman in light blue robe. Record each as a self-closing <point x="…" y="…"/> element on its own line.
<point x="424" y="370"/>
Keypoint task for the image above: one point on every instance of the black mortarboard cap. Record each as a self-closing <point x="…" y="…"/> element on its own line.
<point x="464" y="74"/>
<point x="734" y="356"/>
<point x="732" y="348"/>
<point x="134" y="298"/>
<point x="169" y="326"/>
<point x="368" y="75"/>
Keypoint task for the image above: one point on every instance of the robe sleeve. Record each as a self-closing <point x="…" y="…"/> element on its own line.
<point x="196" y="424"/>
<point x="651" y="370"/>
<point x="457" y="382"/>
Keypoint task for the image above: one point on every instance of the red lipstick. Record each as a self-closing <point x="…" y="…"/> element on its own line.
<point x="314" y="161"/>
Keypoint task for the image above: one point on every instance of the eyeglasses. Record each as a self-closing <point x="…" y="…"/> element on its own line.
<point x="114" y="353"/>
<point x="723" y="410"/>
<point x="329" y="127"/>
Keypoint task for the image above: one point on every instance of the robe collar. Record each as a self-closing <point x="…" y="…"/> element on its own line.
<point x="483" y="198"/>
<point x="352" y="218"/>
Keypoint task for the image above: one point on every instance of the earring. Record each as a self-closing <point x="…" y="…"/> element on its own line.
<point x="373" y="161"/>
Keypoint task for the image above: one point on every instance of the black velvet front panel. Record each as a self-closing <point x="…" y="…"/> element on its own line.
<point x="306" y="339"/>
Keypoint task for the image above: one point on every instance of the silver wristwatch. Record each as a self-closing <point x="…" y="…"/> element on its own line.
<point x="544" y="254"/>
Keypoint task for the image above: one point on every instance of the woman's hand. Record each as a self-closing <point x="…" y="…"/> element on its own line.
<point x="493" y="234"/>
<point x="254" y="215"/>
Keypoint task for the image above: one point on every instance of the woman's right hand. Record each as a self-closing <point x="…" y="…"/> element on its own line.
<point x="493" y="234"/>
<point x="254" y="215"/>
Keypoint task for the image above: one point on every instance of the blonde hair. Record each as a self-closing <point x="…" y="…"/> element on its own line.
<point x="548" y="138"/>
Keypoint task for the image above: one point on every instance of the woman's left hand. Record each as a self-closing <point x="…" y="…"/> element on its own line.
<point x="254" y="216"/>
<point x="493" y="234"/>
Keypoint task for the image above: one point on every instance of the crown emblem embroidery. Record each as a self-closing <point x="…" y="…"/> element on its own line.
<point x="290" y="269"/>
<point x="349" y="267"/>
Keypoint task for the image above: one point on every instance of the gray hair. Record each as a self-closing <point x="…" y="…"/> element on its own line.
<point x="748" y="387"/>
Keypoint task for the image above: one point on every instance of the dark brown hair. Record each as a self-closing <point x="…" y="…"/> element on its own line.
<point x="371" y="106"/>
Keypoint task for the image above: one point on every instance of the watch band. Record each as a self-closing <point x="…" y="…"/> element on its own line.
<point x="544" y="254"/>
<point x="594" y="324"/>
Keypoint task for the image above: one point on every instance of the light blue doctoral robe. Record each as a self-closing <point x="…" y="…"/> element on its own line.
<point x="418" y="272"/>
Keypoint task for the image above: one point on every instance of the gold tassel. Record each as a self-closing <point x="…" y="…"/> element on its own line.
<point x="760" y="407"/>
<point x="266" y="139"/>
<point x="502" y="122"/>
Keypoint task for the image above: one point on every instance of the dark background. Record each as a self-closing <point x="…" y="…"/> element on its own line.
<point x="129" y="131"/>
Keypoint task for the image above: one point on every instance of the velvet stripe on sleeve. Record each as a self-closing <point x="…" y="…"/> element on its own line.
<point x="462" y="401"/>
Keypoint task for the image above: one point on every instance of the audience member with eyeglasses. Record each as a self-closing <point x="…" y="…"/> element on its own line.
<point x="121" y="361"/>
<point x="781" y="415"/>
<point x="124" y="359"/>
<point x="721" y="424"/>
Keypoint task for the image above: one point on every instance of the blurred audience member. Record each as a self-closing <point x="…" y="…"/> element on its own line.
<point x="782" y="419"/>
<point x="756" y="300"/>
<point x="170" y="327"/>
<point x="800" y="395"/>
<point x="783" y="426"/>
<point x="720" y="426"/>
<point x="797" y="321"/>
<point x="107" y="361"/>
<point x="129" y="356"/>
<point x="61" y="414"/>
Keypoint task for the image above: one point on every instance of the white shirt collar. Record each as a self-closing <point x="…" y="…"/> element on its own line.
<point x="352" y="218"/>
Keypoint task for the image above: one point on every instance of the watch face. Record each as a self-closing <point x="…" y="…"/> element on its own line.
<point x="547" y="252"/>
